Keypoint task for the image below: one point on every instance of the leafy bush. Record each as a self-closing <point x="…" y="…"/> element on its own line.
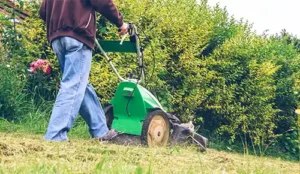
<point x="200" y="62"/>
<point x="12" y="100"/>
<point x="290" y="142"/>
<point x="42" y="81"/>
<point x="241" y="98"/>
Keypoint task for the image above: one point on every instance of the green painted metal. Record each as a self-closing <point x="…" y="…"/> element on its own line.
<point x="115" y="46"/>
<point x="131" y="104"/>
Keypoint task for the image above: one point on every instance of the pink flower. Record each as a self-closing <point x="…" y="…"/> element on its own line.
<point x="32" y="64"/>
<point x="47" y="70"/>
<point x="40" y="62"/>
<point x="40" y="65"/>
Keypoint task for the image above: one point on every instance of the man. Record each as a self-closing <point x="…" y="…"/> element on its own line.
<point x="71" y="28"/>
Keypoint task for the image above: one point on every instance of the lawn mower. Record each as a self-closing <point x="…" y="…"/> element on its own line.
<point x="134" y="110"/>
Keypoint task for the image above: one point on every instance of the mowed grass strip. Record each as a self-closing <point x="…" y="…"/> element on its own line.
<point x="25" y="153"/>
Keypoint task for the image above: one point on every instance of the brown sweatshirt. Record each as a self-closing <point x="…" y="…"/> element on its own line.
<point x="77" y="18"/>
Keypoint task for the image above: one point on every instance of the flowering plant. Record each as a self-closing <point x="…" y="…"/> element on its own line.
<point x="40" y="65"/>
<point x="43" y="80"/>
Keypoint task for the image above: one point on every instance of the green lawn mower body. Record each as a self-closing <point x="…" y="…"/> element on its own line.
<point x="131" y="104"/>
<point x="134" y="110"/>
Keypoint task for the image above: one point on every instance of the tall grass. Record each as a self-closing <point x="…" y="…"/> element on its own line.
<point x="12" y="99"/>
<point x="272" y="150"/>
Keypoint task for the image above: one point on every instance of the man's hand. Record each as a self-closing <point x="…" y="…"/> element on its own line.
<point x="123" y="29"/>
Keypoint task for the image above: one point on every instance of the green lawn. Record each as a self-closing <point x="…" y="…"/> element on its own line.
<point x="28" y="153"/>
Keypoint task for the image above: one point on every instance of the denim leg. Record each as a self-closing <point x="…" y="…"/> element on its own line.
<point x="76" y="68"/>
<point x="59" y="52"/>
<point x="91" y="109"/>
<point x="92" y="112"/>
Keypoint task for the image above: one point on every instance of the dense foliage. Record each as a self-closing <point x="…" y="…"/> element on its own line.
<point x="201" y="63"/>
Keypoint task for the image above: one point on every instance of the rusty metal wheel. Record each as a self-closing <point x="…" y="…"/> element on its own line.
<point x="156" y="129"/>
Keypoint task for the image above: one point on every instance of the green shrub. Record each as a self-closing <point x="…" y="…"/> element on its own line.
<point x="12" y="98"/>
<point x="200" y="62"/>
<point x="240" y="100"/>
<point x="42" y="81"/>
<point x="290" y="142"/>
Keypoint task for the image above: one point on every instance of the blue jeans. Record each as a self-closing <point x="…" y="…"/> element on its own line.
<point x="75" y="94"/>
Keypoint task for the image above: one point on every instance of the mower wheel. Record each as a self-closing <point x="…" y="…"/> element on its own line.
<point x="156" y="129"/>
<point x="109" y="115"/>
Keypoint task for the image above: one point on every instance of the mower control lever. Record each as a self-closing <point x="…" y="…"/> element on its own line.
<point x="123" y="38"/>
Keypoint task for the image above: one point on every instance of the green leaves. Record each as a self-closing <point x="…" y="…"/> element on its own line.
<point x="11" y="96"/>
<point x="200" y="63"/>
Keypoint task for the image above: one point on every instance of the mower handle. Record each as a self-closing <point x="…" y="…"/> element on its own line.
<point x="132" y="30"/>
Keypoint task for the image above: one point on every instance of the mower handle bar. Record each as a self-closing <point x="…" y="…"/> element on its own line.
<point x="132" y="30"/>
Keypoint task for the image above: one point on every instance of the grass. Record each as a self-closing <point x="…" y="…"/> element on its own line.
<point x="273" y="151"/>
<point x="22" y="150"/>
<point x="28" y="153"/>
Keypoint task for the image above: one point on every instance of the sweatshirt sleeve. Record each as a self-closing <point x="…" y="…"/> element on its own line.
<point x="108" y="9"/>
<point x="42" y="10"/>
